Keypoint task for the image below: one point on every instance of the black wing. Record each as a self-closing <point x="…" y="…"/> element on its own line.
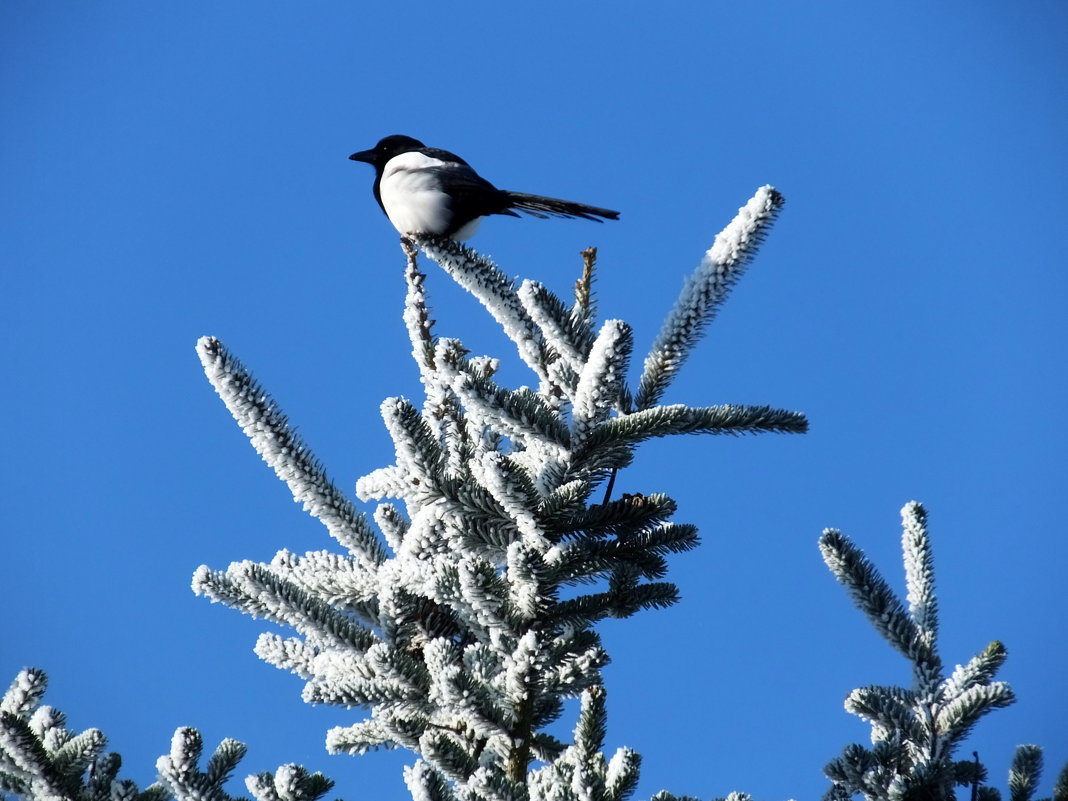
<point x="472" y="195"/>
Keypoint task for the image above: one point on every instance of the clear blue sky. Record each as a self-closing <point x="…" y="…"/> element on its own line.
<point x="171" y="170"/>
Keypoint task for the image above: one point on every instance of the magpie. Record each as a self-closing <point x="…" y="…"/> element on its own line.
<point x="424" y="190"/>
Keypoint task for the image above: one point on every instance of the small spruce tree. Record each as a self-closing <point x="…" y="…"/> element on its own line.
<point x="916" y="730"/>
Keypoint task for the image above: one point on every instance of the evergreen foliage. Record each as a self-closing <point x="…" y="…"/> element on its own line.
<point x="916" y="730"/>
<point x="465" y="614"/>
<point x="465" y="627"/>
<point x="41" y="759"/>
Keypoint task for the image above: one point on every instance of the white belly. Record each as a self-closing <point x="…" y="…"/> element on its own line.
<point x="412" y="199"/>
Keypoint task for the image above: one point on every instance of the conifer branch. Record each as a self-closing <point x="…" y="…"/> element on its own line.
<point x="180" y="774"/>
<point x="705" y="291"/>
<point x="419" y="453"/>
<point x="479" y="276"/>
<point x="339" y="580"/>
<point x="519" y="414"/>
<point x="42" y="760"/>
<point x="601" y="379"/>
<point x="274" y="439"/>
<point x="630" y="429"/>
<point x="258" y="592"/>
<point x="585" y="309"/>
<point x="1025" y="772"/>
<point x="426" y="784"/>
<point x="287" y="653"/>
<point x="288" y="783"/>
<point x="631" y="512"/>
<point x="869" y="592"/>
<point x="919" y="579"/>
<point x="417" y="314"/>
<point x="568" y="337"/>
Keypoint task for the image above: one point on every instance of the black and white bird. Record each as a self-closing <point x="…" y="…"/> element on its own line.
<point x="424" y="190"/>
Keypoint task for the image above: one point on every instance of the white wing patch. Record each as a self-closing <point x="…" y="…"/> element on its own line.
<point x="411" y="195"/>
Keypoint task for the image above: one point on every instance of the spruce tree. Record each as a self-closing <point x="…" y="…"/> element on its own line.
<point x="463" y="628"/>
<point x="916" y="730"/>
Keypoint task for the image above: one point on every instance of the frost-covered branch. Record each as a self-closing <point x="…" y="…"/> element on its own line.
<point x="496" y="291"/>
<point x="42" y="760"/>
<point x="915" y="730"/>
<point x="1026" y="772"/>
<point x="266" y="426"/>
<point x="704" y="292"/>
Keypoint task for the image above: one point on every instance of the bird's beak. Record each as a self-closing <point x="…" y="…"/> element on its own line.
<point x="367" y="156"/>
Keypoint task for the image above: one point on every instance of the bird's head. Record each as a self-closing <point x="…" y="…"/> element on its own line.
<point x="386" y="149"/>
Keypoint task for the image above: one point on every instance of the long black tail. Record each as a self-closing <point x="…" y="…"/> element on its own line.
<point x="538" y="206"/>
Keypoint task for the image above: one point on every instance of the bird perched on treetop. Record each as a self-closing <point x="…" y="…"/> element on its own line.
<point x="424" y="190"/>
